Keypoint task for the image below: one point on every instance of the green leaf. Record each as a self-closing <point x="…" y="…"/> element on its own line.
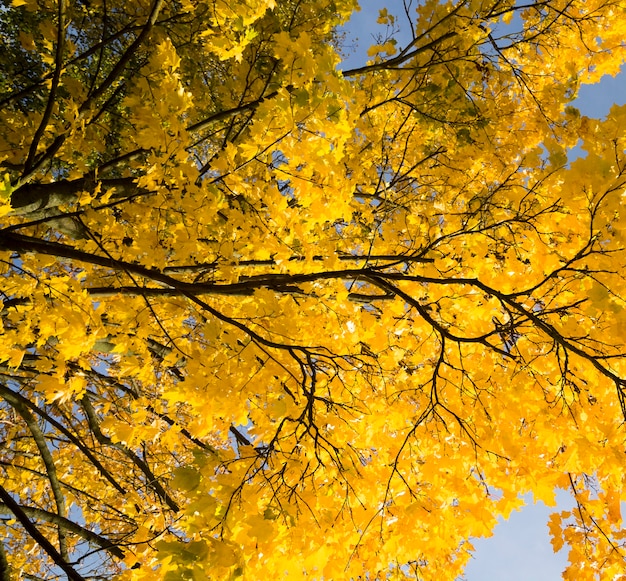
<point x="6" y="188"/>
<point x="185" y="479"/>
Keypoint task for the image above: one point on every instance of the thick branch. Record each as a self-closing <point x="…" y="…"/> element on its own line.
<point x="20" y="243"/>
<point x="48" y="461"/>
<point x="400" y="59"/>
<point x="251" y="106"/>
<point x="37" y="536"/>
<point x="56" y="77"/>
<point x="34" y="197"/>
<point x="151" y="479"/>
<point x="379" y="281"/>
<point x="169" y="421"/>
<point x="395" y="258"/>
<point x="11" y="395"/>
<point x="115" y="73"/>
<point x="5" y="574"/>
<point x="70" y="526"/>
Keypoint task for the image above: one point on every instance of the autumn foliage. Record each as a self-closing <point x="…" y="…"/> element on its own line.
<point x="267" y="317"/>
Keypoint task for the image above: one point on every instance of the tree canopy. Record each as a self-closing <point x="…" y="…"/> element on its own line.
<point x="267" y="317"/>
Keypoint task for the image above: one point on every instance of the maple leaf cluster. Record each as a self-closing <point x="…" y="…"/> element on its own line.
<point x="264" y="316"/>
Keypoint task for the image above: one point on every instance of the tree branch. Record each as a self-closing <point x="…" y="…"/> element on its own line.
<point x="38" y="537"/>
<point x="9" y="395"/>
<point x="151" y="480"/>
<point x="30" y="170"/>
<point x="62" y="522"/>
<point x="48" y="461"/>
<point x="56" y="77"/>
<point x="5" y="573"/>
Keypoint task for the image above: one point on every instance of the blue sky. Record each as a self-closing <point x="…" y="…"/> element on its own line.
<point x="361" y="31"/>
<point x="520" y="548"/>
